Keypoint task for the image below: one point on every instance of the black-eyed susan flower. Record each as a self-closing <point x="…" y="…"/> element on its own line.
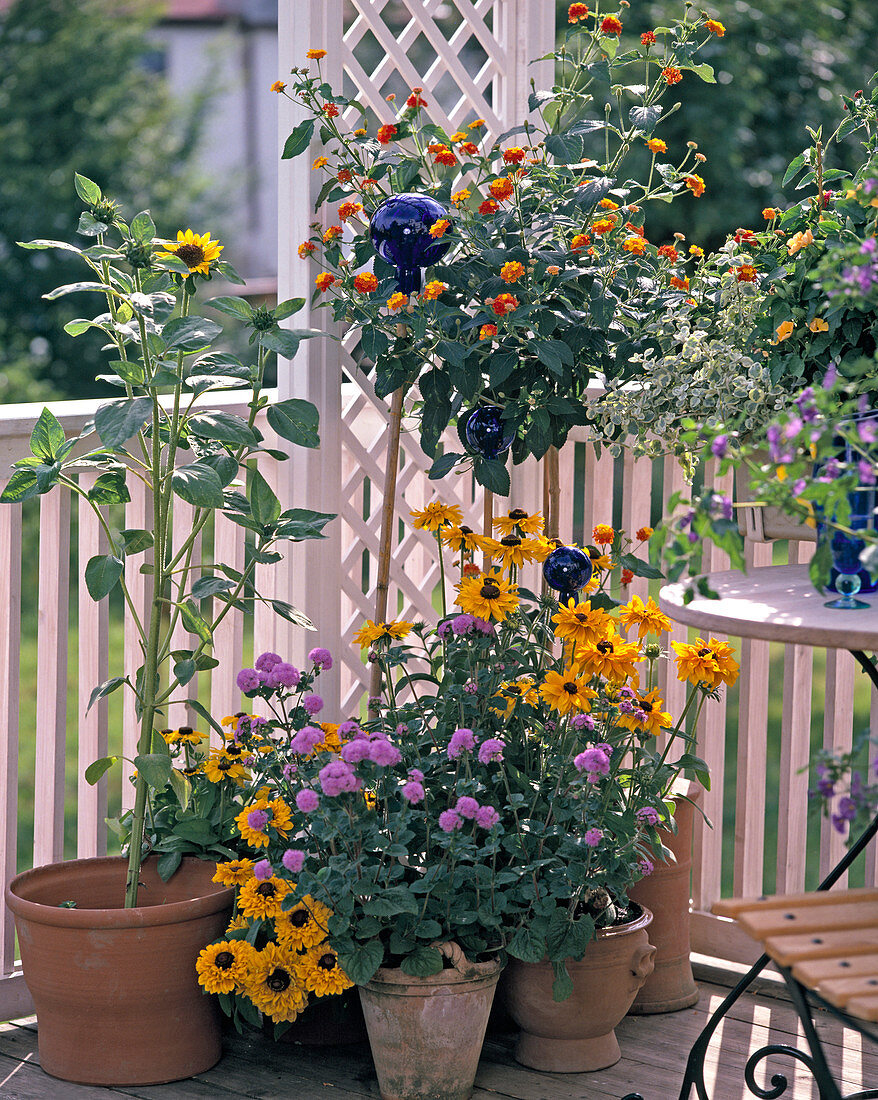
<point x="461" y="538"/>
<point x="235" y="872"/>
<point x="647" y="714"/>
<point x="580" y="622"/>
<point x="304" y="925"/>
<point x="224" y="967"/>
<point x="566" y="692"/>
<point x="321" y="973"/>
<point x="196" y="250"/>
<point x="263" y="897"/>
<point x="254" y="821"/>
<point x="511" y="693"/>
<point x="611" y="657"/>
<point x="275" y="984"/>
<point x="645" y="616"/>
<point x="709" y="663"/>
<point x="436" y="515"/>
<point x="374" y="633"/>
<point x="222" y="765"/>
<point x="487" y="597"/>
<point x="510" y="551"/>
<point x="518" y="518"/>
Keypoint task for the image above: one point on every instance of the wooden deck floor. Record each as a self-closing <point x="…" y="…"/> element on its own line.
<point x="654" y="1050"/>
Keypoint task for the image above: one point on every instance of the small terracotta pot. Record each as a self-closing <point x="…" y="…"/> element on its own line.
<point x="667" y="894"/>
<point x="576" y="1035"/>
<point x="426" y="1034"/>
<point x="115" y="989"/>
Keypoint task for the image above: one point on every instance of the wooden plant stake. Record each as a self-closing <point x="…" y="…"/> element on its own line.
<point x="487" y="525"/>
<point x="551" y="492"/>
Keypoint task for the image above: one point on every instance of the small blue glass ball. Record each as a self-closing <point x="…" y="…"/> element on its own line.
<point x="568" y="569"/>
<point x="400" y="231"/>
<point x="485" y="432"/>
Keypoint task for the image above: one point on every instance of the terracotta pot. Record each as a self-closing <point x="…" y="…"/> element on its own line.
<point x="576" y="1035"/>
<point x="115" y="989"/>
<point x="426" y="1034"/>
<point x="666" y="893"/>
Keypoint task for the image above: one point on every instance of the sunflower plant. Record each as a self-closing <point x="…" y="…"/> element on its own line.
<point x="509" y="789"/>
<point x="552" y="275"/>
<point x="161" y="433"/>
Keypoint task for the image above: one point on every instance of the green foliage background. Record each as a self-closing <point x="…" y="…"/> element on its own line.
<point x="75" y="96"/>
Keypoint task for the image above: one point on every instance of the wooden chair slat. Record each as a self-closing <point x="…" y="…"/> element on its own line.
<point x="788" y="950"/>
<point x="760" y="924"/>
<point x="814" y="972"/>
<point x="864" y="1008"/>
<point x="731" y="907"/>
<point x="841" y="991"/>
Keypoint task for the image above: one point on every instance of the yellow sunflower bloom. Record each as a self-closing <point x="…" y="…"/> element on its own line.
<point x="487" y="597"/>
<point x="518" y="518"/>
<point x="224" y="967"/>
<point x="196" y="250"/>
<point x="611" y="657"/>
<point x="566" y="692"/>
<point x="305" y="925"/>
<point x="581" y="622"/>
<point x="372" y="633"/>
<point x="648" y="715"/>
<point x="234" y="873"/>
<point x="647" y="617"/>
<point x="321" y="973"/>
<point x="263" y="897"/>
<point x="437" y="515"/>
<point x="275" y="984"/>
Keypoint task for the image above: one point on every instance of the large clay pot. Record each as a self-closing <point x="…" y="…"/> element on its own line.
<point x="426" y="1034"/>
<point x="667" y="894"/>
<point x="576" y="1035"/>
<point x="115" y="989"/>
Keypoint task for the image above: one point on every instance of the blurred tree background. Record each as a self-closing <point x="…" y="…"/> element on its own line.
<point x="781" y="66"/>
<point x="77" y="94"/>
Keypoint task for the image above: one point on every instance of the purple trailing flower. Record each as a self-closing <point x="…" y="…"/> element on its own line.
<point x="449" y="820"/>
<point x="462" y="740"/>
<point x="648" y="815"/>
<point x="413" y="792"/>
<point x="257" y="820"/>
<point x="830" y="471"/>
<point x="294" y="860"/>
<point x="383" y="752"/>
<point x="467" y="807"/>
<point x="338" y="777"/>
<point x="265" y="662"/>
<point x="720" y="446"/>
<point x="289" y="770"/>
<point x="307" y="800"/>
<point x="486" y="817"/>
<point x="626" y="706"/>
<point x="470" y="687"/>
<point x="248" y="680"/>
<point x="262" y="870"/>
<point x="830" y="377"/>
<point x="491" y="750"/>
<point x="867" y="472"/>
<point x="646" y="866"/>
<point x="722" y="504"/>
<point x="313" y="704"/>
<point x="321" y="657"/>
<point x="593" y="837"/>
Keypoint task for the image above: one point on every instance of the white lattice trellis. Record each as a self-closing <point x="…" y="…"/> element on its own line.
<point x="470" y="58"/>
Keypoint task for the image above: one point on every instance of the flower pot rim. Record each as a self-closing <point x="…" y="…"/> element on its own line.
<point x="173" y="912"/>
<point x="642" y="921"/>
<point x="475" y="971"/>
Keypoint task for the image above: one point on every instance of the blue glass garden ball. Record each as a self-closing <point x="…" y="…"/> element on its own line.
<point x="462" y="420"/>
<point x="568" y="569"/>
<point x="400" y="230"/>
<point x="486" y="434"/>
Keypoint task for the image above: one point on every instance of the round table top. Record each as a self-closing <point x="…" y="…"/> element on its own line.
<point x="777" y="603"/>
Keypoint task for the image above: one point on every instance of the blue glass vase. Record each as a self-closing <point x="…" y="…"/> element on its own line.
<point x="400" y="231"/>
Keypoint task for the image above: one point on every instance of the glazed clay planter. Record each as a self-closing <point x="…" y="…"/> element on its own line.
<point x="576" y="1035"/>
<point x="426" y="1034"/>
<point x="115" y="990"/>
<point x="666" y="893"/>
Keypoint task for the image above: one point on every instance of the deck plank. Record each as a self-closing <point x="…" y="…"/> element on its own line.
<point x="654" y="1050"/>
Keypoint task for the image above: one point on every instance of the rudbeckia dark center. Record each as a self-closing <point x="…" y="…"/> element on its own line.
<point x="278" y="981"/>
<point x="466" y="530"/>
<point x="581" y="616"/>
<point x="300" y="918"/>
<point x="223" y="765"/>
<point x="233" y="749"/>
<point x="518" y="513"/>
<point x="571" y="688"/>
<point x="704" y="653"/>
<point x="510" y="540"/>
<point x="266" y="889"/>
<point x="224" y="960"/>
<point x="490" y="591"/>
<point x="327" y="962"/>
<point x="191" y="254"/>
<point x="605" y="646"/>
<point x="644" y="706"/>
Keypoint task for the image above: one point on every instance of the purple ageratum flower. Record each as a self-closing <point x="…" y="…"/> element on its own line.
<point x="383" y="752"/>
<point x="304" y="741"/>
<point x="467" y="807"/>
<point x="491" y="750"/>
<point x="248" y="680"/>
<point x="648" y="815"/>
<point x="608" y="749"/>
<point x="262" y="870"/>
<point x="351" y="728"/>
<point x="594" y="761"/>
<point x="285" y="675"/>
<point x="720" y="446"/>
<point x="593" y="837"/>
<point x="462" y="740"/>
<point x="321" y="657"/>
<point x="582" y="722"/>
<point x="289" y="770"/>
<point x="486" y="817"/>
<point x="867" y="430"/>
<point x="868" y="472"/>
<point x="646" y="866"/>
<point x="257" y="820"/>
<point x="307" y="800"/>
<point x="470" y="688"/>
<point x="313" y="704"/>
<point x="265" y="662"/>
<point x="444" y="629"/>
<point x="416" y="774"/>
<point x="462" y="624"/>
<point x="413" y="792"/>
<point x="449" y="820"/>
<point x="355" y="751"/>
<point x="337" y="778"/>
<point x="293" y="859"/>
<point x="830" y="377"/>
<point x="482" y="626"/>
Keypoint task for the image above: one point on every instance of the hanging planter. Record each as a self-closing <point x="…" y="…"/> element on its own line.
<point x="115" y="989"/>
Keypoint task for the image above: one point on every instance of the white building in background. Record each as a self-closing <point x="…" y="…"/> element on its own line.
<point x="228" y="49"/>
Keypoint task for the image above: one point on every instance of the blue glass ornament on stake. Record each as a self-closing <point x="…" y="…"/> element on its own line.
<point x="567" y="569"/>
<point x="400" y="231"/>
<point x="485" y="432"/>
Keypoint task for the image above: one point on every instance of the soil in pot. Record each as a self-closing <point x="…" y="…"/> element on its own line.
<point x="115" y="989"/>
